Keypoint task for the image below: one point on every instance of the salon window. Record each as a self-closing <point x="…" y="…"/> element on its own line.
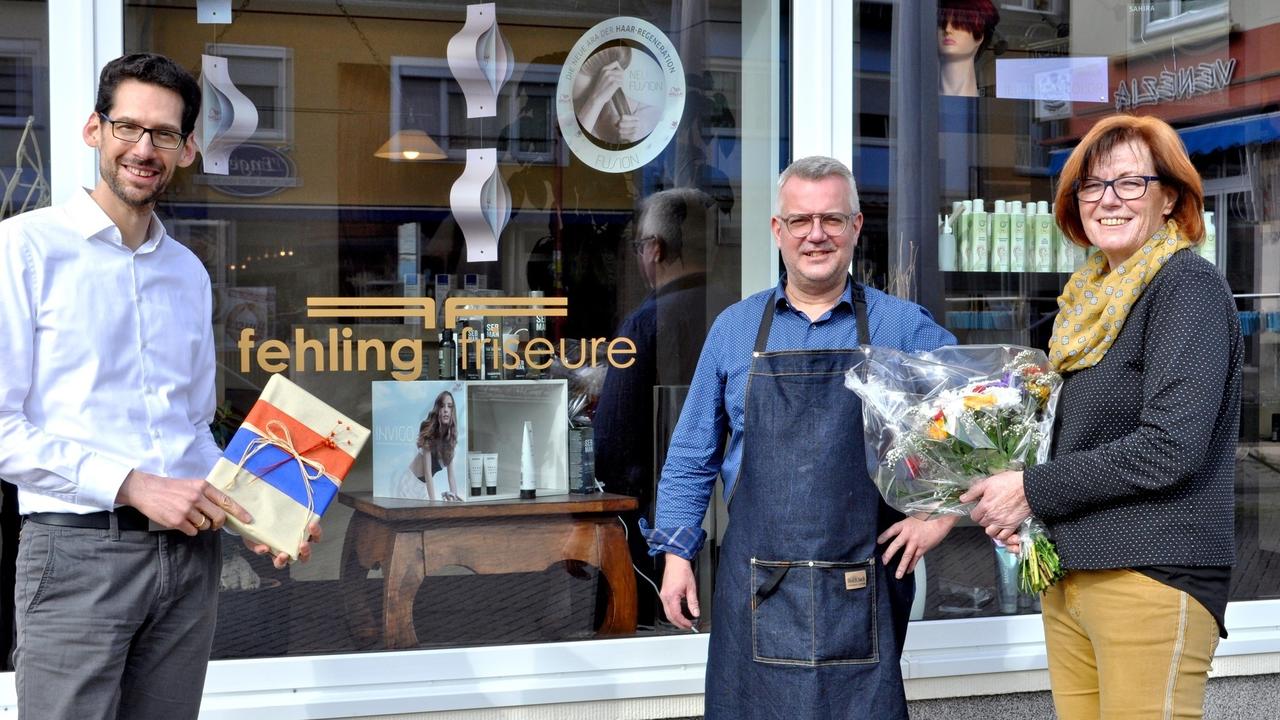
<point x="347" y="190"/>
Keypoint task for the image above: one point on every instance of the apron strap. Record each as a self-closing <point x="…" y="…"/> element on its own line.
<point x="766" y="322"/>
<point x="859" y="309"/>
<point x="769" y="586"/>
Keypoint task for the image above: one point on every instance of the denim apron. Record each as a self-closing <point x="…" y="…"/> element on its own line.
<point x="807" y="622"/>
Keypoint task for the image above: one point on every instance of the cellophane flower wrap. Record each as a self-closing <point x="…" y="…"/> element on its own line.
<point x="936" y="422"/>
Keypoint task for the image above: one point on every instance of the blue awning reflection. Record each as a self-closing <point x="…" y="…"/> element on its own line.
<point x="1209" y="138"/>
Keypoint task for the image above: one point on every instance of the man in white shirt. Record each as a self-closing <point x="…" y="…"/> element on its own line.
<point x="107" y="389"/>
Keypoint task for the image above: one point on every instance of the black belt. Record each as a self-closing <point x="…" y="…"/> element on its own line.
<point x="127" y="518"/>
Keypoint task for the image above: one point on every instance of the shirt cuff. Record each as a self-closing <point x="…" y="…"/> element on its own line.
<point x="682" y="541"/>
<point x="100" y="481"/>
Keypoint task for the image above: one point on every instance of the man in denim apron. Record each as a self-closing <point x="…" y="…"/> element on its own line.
<point x="807" y="623"/>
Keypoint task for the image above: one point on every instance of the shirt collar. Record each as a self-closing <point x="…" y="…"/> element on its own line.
<point x="780" y="301"/>
<point x="93" y="222"/>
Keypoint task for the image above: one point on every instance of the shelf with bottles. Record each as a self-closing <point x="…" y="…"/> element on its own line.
<point x="496" y="337"/>
<point x="1011" y="239"/>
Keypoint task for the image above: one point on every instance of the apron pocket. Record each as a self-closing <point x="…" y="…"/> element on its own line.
<point x="809" y="612"/>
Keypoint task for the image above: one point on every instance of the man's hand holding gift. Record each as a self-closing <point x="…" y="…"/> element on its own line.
<point x="281" y="560"/>
<point x="192" y="505"/>
<point x="188" y="505"/>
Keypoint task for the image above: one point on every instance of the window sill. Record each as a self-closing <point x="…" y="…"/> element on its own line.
<point x="947" y="658"/>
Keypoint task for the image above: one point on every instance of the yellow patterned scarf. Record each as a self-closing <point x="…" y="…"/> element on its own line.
<point x="1093" y="306"/>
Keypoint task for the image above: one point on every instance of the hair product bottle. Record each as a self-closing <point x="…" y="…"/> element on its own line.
<point x="470" y="356"/>
<point x="537" y="331"/>
<point x="1044" y="250"/>
<point x="1017" y="237"/>
<point x="981" y="243"/>
<point x="1209" y="248"/>
<point x="492" y="349"/>
<point x="448" y="355"/>
<point x="962" y="226"/>
<point x="528" y="479"/>
<point x="1000" y="238"/>
<point x="490" y="473"/>
<point x="946" y="247"/>
<point x="1006" y="580"/>
<point x="475" y="473"/>
<point x="1066" y="256"/>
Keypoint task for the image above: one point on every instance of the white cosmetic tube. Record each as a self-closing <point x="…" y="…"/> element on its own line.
<point x="475" y="473"/>
<point x="490" y="473"/>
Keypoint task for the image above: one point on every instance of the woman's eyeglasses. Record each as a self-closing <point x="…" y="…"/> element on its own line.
<point x="1128" y="187"/>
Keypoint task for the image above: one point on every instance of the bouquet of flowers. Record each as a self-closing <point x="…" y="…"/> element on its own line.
<point x="936" y="422"/>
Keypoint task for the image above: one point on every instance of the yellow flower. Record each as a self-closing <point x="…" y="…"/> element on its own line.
<point x="975" y="402"/>
<point x="937" y="430"/>
<point x="1040" y="392"/>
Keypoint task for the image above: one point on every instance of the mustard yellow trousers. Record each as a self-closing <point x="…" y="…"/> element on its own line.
<point x="1123" y="646"/>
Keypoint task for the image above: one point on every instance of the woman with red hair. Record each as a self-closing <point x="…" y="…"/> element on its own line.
<point x="1139" y="492"/>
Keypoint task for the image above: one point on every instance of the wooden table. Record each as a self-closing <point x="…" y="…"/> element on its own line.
<point x="410" y="539"/>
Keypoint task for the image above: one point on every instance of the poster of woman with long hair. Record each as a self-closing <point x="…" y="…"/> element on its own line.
<point x="420" y="440"/>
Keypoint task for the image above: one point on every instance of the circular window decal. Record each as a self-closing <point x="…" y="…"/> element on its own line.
<point x="620" y="95"/>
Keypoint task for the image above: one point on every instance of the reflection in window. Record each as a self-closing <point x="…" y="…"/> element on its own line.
<point x="264" y="74"/>
<point x="24" y="108"/>
<point x="18" y="62"/>
<point x="1168" y="9"/>
<point x="424" y="96"/>
<point x="324" y="217"/>
<point x="1165" y="16"/>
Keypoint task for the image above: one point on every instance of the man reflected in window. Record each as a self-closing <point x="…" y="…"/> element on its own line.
<point x="670" y="245"/>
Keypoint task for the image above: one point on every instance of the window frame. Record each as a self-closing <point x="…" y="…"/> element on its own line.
<point x="1180" y="20"/>
<point x="30" y="49"/>
<point x="437" y="69"/>
<point x="282" y="132"/>
<point x="1055" y="7"/>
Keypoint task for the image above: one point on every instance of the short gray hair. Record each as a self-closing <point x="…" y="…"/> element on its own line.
<point x="819" y="167"/>
<point x="680" y="217"/>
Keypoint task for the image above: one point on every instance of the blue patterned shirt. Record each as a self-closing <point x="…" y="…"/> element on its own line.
<point x="717" y="395"/>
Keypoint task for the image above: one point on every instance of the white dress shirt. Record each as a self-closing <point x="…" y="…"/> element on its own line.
<point x="106" y="358"/>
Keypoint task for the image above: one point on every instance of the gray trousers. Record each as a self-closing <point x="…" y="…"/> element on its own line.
<point x="113" y="625"/>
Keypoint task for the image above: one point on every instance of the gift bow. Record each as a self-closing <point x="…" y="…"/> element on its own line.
<point x="276" y="434"/>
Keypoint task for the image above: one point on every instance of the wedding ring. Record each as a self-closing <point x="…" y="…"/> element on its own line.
<point x="204" y="520"/>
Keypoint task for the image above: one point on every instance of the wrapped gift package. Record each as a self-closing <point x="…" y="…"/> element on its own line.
<point x="286" y="463"/>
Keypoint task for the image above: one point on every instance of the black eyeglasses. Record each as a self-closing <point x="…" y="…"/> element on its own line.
<point x="637" y="245"/>
<point x="1128" y="187"/>
<point x="801" y="224"/>
<point x="132" y="132"/>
